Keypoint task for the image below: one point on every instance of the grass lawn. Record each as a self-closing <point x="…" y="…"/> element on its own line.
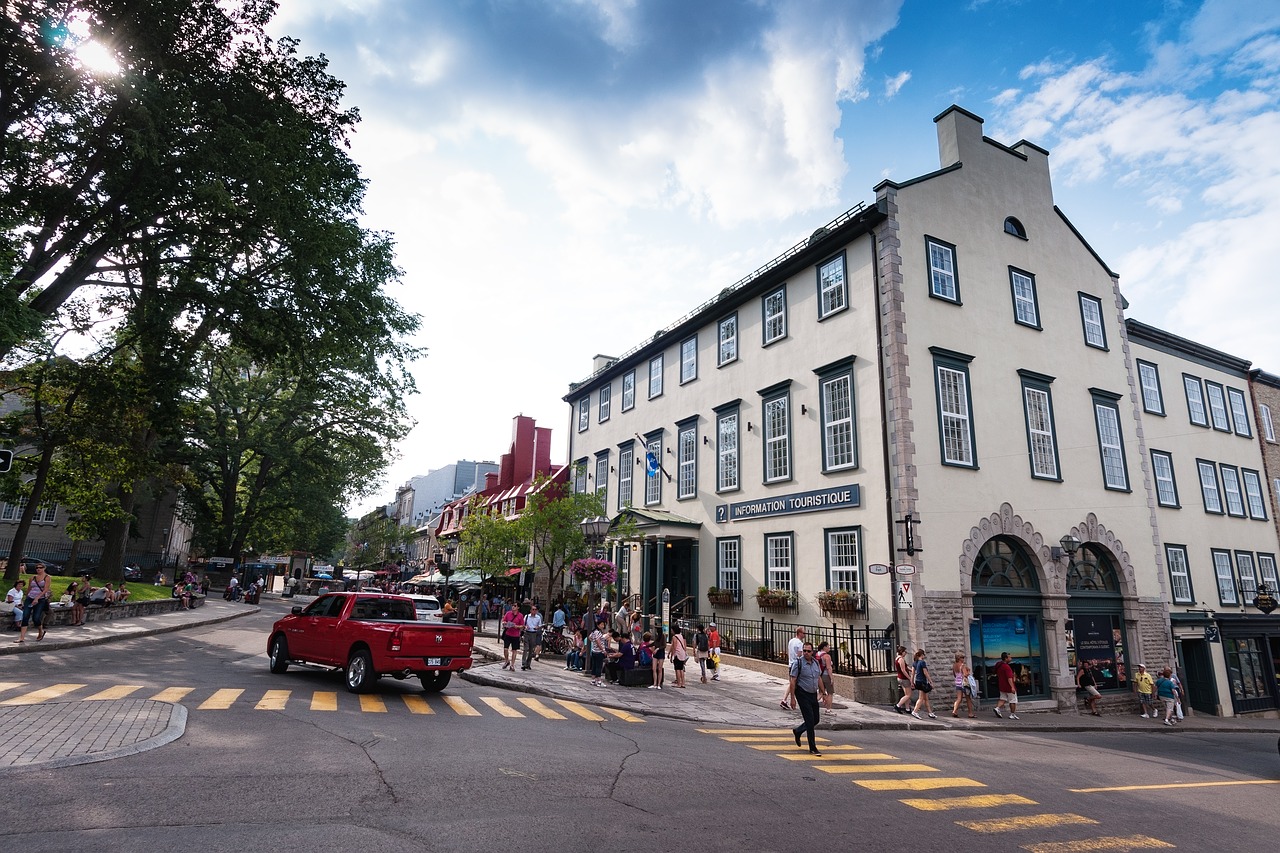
<point x="138" y="590"/>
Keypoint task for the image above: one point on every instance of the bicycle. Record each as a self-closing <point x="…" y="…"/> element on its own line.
<point x="553" y="641"/>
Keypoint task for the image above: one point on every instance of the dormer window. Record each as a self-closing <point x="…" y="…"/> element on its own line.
<point x="1014" y="227"/>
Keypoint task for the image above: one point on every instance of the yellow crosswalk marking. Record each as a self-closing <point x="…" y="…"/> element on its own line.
<point x="826" y="747"/>
<point x="501" y="707"/>
<point x="917" y="784"/>
<point x="221" y="700"/>
<point x="1127" y="842"/>
<point x="44" y="694"/>
<point x="538" y="708"/>
<point x="324" y="700"/>
<point x="623" y="715"/>
<point x="416" y="704"/>
<point x="118" y="692"/>
<point x="1031" y="821"/>
<point x="740" y="731"/>
<point x="370" y="704"/>
<point x="877" y="768"/>
<point x="581" y="710"/>
<point x="785" y="737"/>
<point x="273" y="700"/>
<point x="839" y="756"/>
<point x="172" y="694"/>
<point x="460" y="706"/>
<point x="978" y="801"/>
<point x="11" y="685"/>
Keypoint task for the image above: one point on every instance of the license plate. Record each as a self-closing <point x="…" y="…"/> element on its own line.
<point x="434" y="661"/>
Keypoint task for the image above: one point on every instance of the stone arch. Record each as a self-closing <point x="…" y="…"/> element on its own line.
<point x="1005" y="522"/>
<point x="1093" y="531"/>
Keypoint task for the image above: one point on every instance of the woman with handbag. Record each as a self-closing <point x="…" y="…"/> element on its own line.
<point x="79" y="600"/>
<point x="827" y="682"/>
<point x="38" y="590"/>
<point x="960" y="672"/>
<point x="679" y="654"/>
<point x="924" y="684"/>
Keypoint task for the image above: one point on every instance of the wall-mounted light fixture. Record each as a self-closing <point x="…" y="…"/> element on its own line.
<point x="1067" y="546"/>
<point x="749" y="427"/>
<point x="706" y="439"/>
<point x="804" y="410"/>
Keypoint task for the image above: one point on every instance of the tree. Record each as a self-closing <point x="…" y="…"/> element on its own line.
<point x="490" y="541"/>
<point x="550" y="527"/>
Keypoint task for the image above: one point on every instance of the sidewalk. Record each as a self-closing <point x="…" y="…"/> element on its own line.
<point x="743" y="697"/>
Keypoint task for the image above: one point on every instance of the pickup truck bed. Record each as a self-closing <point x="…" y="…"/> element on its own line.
<point x="369" y="635"/>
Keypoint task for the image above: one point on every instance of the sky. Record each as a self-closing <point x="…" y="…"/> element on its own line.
<point x="566" y="178"/>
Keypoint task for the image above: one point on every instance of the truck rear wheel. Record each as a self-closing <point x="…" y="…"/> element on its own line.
<point x="279" y="654"/>
<point x="360" y="674"/>
<point x="434" y="682"/>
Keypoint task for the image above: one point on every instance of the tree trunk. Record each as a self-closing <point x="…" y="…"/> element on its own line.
<point x="14" y="566"/>
<point x="117" y="538"/>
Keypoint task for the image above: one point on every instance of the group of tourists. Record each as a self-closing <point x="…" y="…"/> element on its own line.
<point x="29" y="602"/>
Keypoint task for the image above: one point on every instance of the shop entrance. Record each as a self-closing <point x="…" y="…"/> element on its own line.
<point x="1202" y="695"/>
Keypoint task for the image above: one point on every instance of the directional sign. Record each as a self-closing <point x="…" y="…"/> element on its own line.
<point x="904" y="595"/>
<point x="878" y="569"/>
<point x="905" y="569"/>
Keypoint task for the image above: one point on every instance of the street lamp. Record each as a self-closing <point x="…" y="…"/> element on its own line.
<point x="444" y="562"/>
<point x="1067" y="545"/>
<point x="594" y="530"/>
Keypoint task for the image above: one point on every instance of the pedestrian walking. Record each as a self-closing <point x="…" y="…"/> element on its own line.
<point x="1088" y="684"/>
<point x="1007" y="686"/>
<point x="1145" y="685"/>
<point x="903" y="671"/>
<point x="795" y="647"/>
<point x="1182" y="695"/>
<point x="823" y="657"/>
<point x="923" y="683"/>
<point x="713" y="651"/>
<point x="599" y="645"/>
<point x="805" y="680"/>
<point x="1168" y="693"/>
<point x="532" y="636"/>
<point x="960" y="672"/>
<point x="37" y="603"/>
<point x="701" y="650"/>
<point x="679" y="654"/>
<point x="622" y="619"/>
<point x="512" y="627"/>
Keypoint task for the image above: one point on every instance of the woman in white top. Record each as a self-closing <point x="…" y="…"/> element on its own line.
<point x="679" y="654"/>
<point x="14" y="597"/>
<point x="37" y="602"/>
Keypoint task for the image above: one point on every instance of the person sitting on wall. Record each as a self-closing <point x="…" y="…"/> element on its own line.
<point x="122" y="594"/>
<point x="103" y="596"/>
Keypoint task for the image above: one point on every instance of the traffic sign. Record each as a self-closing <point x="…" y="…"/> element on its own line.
<point x="6" y="460"/>
<point x="904" y="595"/>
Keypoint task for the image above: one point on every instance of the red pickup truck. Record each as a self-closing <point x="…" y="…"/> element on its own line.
<point x="370" y="635"/>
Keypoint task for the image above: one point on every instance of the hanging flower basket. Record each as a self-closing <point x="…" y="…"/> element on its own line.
<point x="593" y="571"/>
<point x="717" y="597"/>
<point x="841" y="603"/>
<point x="775" y="599"/>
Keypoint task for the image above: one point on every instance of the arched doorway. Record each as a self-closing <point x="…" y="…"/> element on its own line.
<point x="1007" y="610"/>
<point x="1095" y="630"/>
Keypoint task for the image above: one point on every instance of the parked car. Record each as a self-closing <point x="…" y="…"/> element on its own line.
<point x="370" y="635"/>
<point x="428" y="607"/>
<point x="29" y="565"/>
<point x="132" y="573"/>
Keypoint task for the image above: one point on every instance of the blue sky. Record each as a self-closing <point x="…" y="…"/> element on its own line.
<point x="565" y="178"/>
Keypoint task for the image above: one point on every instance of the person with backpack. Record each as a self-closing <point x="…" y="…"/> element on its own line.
<point x="701" y="650"/>
<point x="923" y="683"/>
<point x="713" y="649"/>
<point x="679" y="654"/>
<point x="805" y="679"/>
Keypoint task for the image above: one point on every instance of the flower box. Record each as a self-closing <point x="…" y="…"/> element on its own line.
<point x="722" y="598"/>
<point x="843" y="604"/>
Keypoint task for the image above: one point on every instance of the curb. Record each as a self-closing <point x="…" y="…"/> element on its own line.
<point x="30" y="646"/>
<point x="174" y="729"/>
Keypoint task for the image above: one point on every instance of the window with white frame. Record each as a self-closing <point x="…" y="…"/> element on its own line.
<point x="47" y="514"/>
<point x="839" y="448"/>
<point x="1149" y="379"/>
<point x="626" y="472"/>
<point x="1209" y="486"/>
<point x="628" y="390"/>
<point x="944" y="281"/>
<point x="687" y="461"/>
<point x="777" y="437"/>
<point x="689" y="360"/>
<point x="833" y="295"/>
<point x="653" y="471"/>
<point x="1239" y="412"/>
<point x="1245" y="571"/>
<point x="844" y="561"/>
<point x="727" y="336"/>
<point x="1166" y="486"/>
<point x="606" y="397"/>
<point x="655" y="375"/>
<point x="727" y="460"/>
<point x="1042" y="444"/>
<point x="1217" y="406"/>
<point x="1195" y="400"/>
<point x="951" y="381"/>
<point x="584" y="413"/>
<point x="602" y="479"/>
<point x="1253" y="494"/>
<point x="1268" y="428"/>
<point x="1231" y="490"/>
<point x="1110" y="444"/>
<point x="1225" y="577"/>
<point x="580" y="476"/>
<point x="1179" y="574"/>
<point x="729" y="563"/>
<point x="779" y="561"/>
<point x="1026" y="310"/>
<point x="773" y="308"/>
<point x="1267" y="572"/>
<point x="1095" y="335"/>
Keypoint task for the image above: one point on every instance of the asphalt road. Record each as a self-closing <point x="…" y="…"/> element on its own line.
<point x="271" y="768"/>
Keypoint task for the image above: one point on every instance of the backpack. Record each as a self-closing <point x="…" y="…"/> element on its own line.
<point x="646" y="657"/>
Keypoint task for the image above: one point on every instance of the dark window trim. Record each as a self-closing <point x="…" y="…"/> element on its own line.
<point x="955" y="270"/>
<point x="1014" y="228"/>
<point x="1204" y="401"/>
<point x="606" y="390"/>
<point x="776" y="391"/>
<point x="1039" y="382"/>
<point x="724" y="407"/>
<point x="737" y="539"/>
<point x="1244" y="501"/>
<point x="817" y="274"/>
<point x="584" y="408"/>
<point x="764" y="548"/>
<point x="1222" y="500"/>
<point x="1110" y="400"/>
<point x="622" y="393"/>
<point x="1191" y="587"/>
<point x="959" y="362"/>
<point x="856" y="530"/>
<point x="1035" y="298"/>
<point x="1173" y="477"/>
<point x="842" y="367"/>
<point x="1102" y="322"/>
<point x="737" y="339"/>
<point x="1235" y="581"/>
<point x="680" y="368"/>
<point x="1208" y="406"/>
<point x="1244" y="404"/>
<point x="662" y="376"/>
<point x="1159" y="388"/>
<point x="764" y="317"/>
<point x="734" y="407"/>
<point x="1262" y="493"/>
<point x="771" y="390"/>
<point x="687" y="425"/>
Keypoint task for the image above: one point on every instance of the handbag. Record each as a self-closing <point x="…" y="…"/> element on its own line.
<point x="924" y="687"/>
<point x="65" y="600"/>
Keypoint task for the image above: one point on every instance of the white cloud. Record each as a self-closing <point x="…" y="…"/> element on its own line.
<point x="894" y="84"/>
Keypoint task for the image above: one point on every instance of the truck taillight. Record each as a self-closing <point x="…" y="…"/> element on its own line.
<point x="395" y="640"/>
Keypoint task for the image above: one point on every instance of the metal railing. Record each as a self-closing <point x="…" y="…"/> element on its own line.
<point x="854" y="650"/>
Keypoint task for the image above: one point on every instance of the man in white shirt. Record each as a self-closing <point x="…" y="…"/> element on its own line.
<point x="795" y="651"/>
<point x="532" y="635"/>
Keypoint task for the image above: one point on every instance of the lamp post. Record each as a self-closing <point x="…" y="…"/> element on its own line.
<point x="594" y="530"/>
<point x="1067" y="545"/>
